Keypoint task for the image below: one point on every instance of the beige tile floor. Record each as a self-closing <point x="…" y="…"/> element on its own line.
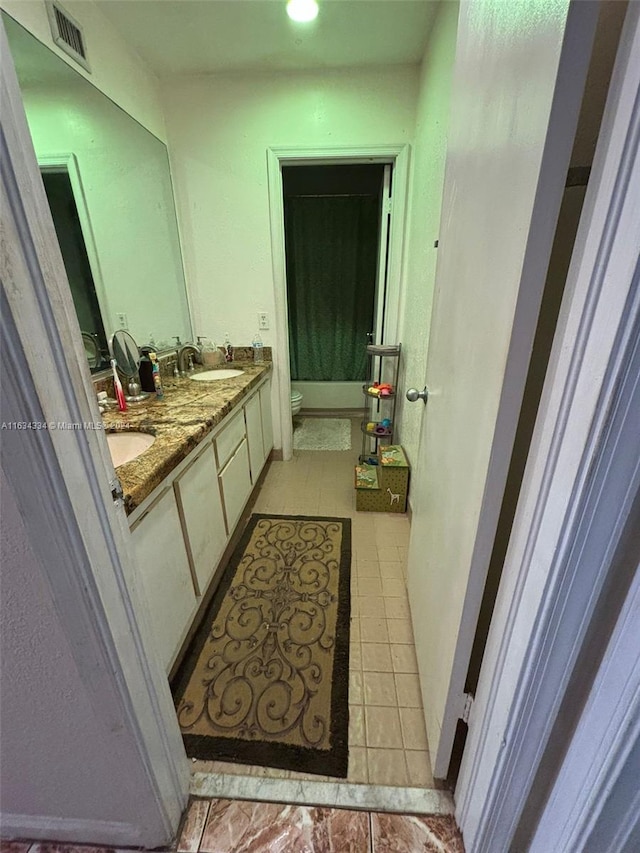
<point x="387" y="739"/>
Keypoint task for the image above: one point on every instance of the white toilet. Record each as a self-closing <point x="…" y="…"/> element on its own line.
<point x="296" y="403"/>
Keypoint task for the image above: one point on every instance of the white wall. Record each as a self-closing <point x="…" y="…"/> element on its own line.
<point x="219" y="129"/>
<point x="61" y="766"/>
<point x="423" y="220"/>
<point x="115" y="68"/>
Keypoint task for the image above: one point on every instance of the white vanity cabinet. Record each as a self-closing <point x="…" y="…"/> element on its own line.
<point x="182" y="529"/>
<point x="198" y="496"/>
<point x="163" y="569"/>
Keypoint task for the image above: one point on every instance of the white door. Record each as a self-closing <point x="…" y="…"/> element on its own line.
<point x="518" y="79"/>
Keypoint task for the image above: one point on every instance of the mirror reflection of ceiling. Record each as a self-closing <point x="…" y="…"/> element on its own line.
<point x="195" y="37"/>
<point x="123" y="187"/>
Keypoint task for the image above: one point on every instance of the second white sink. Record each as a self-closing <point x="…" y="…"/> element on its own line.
<point x="214" y="375"/>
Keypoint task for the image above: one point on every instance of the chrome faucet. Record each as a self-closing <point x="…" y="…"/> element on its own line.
<point x="185" y="349"/>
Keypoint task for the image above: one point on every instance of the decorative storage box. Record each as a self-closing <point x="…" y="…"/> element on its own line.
<point x="383" y="487"/>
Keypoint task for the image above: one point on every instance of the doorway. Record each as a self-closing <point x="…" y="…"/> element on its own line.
<point x="396" y="158"/>
<point x="58" y="186"/>
<point x="336" y="232"/>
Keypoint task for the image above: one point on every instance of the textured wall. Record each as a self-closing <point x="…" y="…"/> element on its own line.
<point x="429" y="154"/>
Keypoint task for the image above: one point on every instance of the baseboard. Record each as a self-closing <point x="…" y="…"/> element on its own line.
<point x="72" y="830"/>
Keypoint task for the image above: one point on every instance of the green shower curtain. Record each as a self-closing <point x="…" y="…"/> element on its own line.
<point x="332" y="254"/>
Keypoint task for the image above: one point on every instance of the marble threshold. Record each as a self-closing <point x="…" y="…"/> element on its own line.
<point x="344" y="795"/>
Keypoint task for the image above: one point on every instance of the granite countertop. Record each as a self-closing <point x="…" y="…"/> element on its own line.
<point x="188" y="411"/>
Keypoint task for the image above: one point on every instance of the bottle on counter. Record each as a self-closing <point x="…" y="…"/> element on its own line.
<point x="145" y="372"/>
<point x="157" y="382"/>
<point x="258" y="349"/>
<point x="228" y="349"/>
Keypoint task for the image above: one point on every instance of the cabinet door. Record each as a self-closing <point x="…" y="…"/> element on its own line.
<point x="198" y="494"/>
<point x="163" y="568"/>
<point x="253" y="417"/>
<point x="267" y="425"/>
<point x="236" y="484"/>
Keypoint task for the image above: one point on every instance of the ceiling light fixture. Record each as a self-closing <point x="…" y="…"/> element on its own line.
<point x="302" y="11"/>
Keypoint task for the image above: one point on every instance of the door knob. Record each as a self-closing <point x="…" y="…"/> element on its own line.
<point x="413" y="395"/>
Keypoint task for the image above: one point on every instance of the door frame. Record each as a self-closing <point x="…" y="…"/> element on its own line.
<point x="579" y="497"/>
<point x="83" y="546"/>
<point x="279" y="156"/>
<point x="68" y="164"/>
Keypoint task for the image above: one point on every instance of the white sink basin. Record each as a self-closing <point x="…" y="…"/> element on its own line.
<point x="126" y="446"/>
<point x="214" y="375"/>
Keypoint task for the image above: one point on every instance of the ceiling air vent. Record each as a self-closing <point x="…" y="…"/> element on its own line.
<point x="67" y="33"/>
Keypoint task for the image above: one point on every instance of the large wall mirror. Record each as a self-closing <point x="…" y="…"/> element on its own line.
<point x="109" y="188"/>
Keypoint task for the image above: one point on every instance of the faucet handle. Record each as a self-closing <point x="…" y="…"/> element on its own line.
<point x="178" y="341"/>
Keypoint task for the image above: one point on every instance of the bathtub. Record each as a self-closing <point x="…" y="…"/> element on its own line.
<point x="330" y="395"/>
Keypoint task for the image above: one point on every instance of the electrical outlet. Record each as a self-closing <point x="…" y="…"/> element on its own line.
<point x="123" y="322"/>
<point x="263" y="320"/>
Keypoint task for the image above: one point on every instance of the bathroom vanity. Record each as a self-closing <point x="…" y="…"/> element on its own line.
<point x="185" y="495"/>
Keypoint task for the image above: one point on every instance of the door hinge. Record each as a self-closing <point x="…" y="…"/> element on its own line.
<point x="466" y="708"/>
<point x="387" y="206"/>
<point x="117" y="492"/>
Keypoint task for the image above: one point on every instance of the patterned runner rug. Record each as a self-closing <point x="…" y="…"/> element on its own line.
<point x="265" y="680"/>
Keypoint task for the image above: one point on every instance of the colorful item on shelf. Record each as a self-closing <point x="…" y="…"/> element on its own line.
<point x="383" y="368"/>
<point x="378" y="390"/>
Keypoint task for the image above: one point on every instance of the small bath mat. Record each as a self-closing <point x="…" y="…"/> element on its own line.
<point x="266" y="678"/>
<point x="322" y="434"/>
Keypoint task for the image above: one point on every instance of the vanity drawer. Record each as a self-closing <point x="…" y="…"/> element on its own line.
<point x="229" y="438"/>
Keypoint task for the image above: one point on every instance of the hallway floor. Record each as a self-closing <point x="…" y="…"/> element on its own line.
<point x="224" y="826"/>
<point x="387" y="739"/>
